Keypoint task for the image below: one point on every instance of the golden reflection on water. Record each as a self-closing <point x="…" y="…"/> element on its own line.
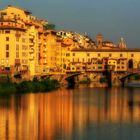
<point x="57" y="115"/>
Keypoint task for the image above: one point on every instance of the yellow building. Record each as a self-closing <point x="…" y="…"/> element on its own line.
<point x="29" y="49"/>
<point x="20" y="36"/>
<point x="97" y="59"/>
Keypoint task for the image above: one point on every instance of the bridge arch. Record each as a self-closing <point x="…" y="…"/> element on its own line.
<point x="123" y="79"/>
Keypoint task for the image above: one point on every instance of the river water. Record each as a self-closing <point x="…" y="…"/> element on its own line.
<point x="76" y="114"/>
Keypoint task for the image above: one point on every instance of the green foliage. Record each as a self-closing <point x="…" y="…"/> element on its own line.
<point x="5" y="79"/>
<point x="135" y="77"/>
<point x="49" y="26"/>
<point x="6" y="88"/>
<point x="25" y="86"/>
<point x="103" y="80"/>
<point x="42" y="85"/>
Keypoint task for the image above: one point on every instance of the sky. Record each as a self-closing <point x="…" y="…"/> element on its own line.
<point x="112" y="18"/>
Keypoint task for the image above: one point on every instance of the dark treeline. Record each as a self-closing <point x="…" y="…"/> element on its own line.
<point x="41" y="85"/>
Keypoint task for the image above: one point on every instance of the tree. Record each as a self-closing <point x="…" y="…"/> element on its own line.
<point x="49" y="26"/>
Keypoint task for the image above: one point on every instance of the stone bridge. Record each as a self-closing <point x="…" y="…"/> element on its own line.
<point x="129" y="73"/>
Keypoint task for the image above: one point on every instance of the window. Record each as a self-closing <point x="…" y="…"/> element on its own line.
<point x="24" y="54"/>
<point x="17" y="47"/>
<point x="132" y="55"/>
<point x="73" y="54"/>
<point x="110" y="55"/>
<point x="118" y="62"/>
<point x="7" y="54"/>
<point x="121" y="55"/>
<point x="7" y="31"/>
<point x="23" y="39"/>
<point x="17" y="39"/>
<point x="7" y="47"/>
<point x="24" y="61"/>
<point x="78" y="68"/>
<point x="88" y="54"/>
<point x="83" y="60"/>
<point x="78" y="60"/>
<point x="100" y="67"/>
<point x="7" y="38"/>
<point x="24" y="47"/>
<point x="67" y="54"/>
<point x="17" y="54"/>
<point x="88" y="59"/>
<point x="99" y="54"/>
<point x="7" y="68"/>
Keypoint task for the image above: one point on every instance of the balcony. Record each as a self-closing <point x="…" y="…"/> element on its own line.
<point x="18" y="35"/>
<point x="31" y="51"/>
<point x="31" y="37"/>
<point x="15" y="27"/>
<point x="17" y="61"/>
<point x="31" y="43"/>
<point x="31" y="58"/>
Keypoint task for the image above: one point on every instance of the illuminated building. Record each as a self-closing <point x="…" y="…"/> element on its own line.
<point x="28" y="48"/>
<point x="20" y="36"/>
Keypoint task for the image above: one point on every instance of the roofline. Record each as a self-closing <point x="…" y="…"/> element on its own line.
<point x="26" y="11"/>
<point x="107" y="50"/>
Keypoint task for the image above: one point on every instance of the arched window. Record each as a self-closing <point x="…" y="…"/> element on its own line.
<point x="130" y="64"/>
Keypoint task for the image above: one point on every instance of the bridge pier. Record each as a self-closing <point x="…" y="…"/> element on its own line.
<point x="122" y="82"/>
<point x="71" y="82"/>
<point x="109" y="77"/>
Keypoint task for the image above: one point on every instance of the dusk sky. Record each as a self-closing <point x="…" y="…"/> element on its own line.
<point x="113" y="18"/>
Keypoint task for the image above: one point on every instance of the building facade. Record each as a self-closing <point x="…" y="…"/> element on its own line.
<point x="26" y="47"/>
<point x="20" y="36"/>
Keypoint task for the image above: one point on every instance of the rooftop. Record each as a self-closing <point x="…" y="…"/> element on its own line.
<point x="106" y="50"/>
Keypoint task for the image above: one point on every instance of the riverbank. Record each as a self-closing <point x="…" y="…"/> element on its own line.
<point x="35" y="85"/>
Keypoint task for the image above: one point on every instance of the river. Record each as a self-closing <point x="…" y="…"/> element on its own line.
<point x="75" y="114"/>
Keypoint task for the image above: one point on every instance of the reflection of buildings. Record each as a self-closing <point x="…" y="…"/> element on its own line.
<point x="60" y="114"/>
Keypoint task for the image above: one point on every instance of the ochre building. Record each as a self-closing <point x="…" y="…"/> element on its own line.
<point x="28" y="48"/>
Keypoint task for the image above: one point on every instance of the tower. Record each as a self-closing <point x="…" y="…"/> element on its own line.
<point x="99" y="40"/>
